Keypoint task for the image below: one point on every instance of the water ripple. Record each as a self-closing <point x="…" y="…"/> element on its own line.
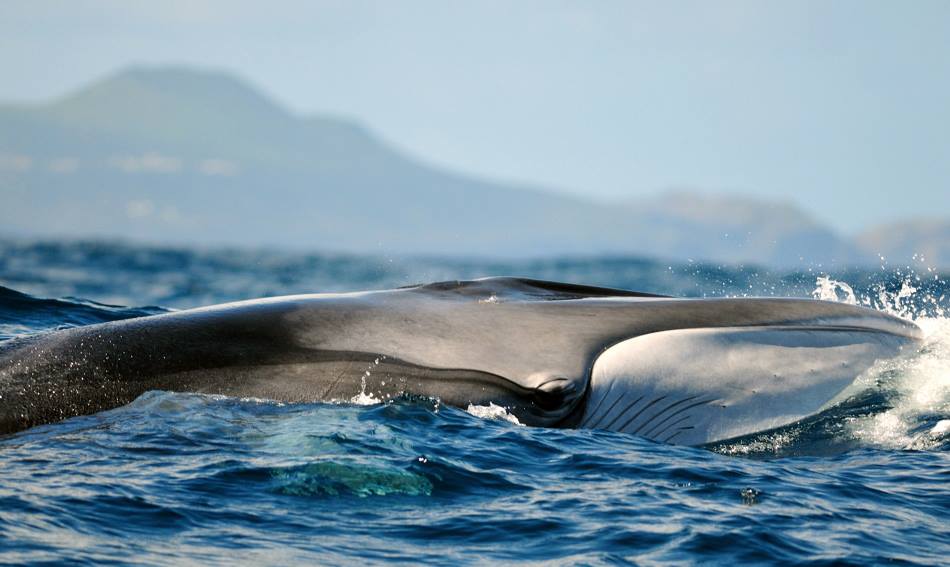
<point x="185" y="478"/>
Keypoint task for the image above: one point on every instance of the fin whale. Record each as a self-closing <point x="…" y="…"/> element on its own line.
<point x="685" y="371"/>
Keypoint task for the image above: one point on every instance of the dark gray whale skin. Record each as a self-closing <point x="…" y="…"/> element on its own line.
<point x="527" y="345"/>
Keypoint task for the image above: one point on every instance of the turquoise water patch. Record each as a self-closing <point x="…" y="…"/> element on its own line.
<point x="335" y="479"/>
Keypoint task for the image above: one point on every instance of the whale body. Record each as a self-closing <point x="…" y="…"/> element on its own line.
<point x="685" y="371"/>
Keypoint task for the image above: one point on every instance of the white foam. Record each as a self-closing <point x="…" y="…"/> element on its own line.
<point x="263" y="401"/>
<point x="942" y="427"/>
<point x="492" y="411"/>
<point x="827" y="289"/>
<point x="917" y="386"/>
<point x="365" y="398"/>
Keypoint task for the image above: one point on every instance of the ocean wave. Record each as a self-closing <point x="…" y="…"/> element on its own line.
<point x="181" y="478"/>
<point x="22" y="314"/>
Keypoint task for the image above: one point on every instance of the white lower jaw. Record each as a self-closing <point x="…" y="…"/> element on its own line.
<point x="698" y="386"/>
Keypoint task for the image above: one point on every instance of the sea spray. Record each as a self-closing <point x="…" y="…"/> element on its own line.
<point x="917" y="385"/>
<point x="365" y="398"/>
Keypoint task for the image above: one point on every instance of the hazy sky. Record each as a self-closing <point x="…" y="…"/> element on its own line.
<point x="843" y="107"/>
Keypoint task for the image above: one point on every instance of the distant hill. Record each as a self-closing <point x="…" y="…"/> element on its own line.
<point x="924" y="240"/>
<point x="733" y="229"/>
<point x="173" y="154"/>
<point x="181" y="155"/>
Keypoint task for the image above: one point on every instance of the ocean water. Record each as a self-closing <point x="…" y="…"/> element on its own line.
<point x="182" y="478"/>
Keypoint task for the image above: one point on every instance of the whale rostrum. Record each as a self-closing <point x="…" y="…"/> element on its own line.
<point x="687" y="371"/>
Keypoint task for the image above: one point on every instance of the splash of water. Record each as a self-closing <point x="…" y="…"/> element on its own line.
<point x="492" y="411"/>
<point x="827" y="289"/>
<point x="916" y="387"/>
<point x="365" y="398"/>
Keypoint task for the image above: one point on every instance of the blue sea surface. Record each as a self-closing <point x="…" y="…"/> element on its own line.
<point x="178" y="478"/>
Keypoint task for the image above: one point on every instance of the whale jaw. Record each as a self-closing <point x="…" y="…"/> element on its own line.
<point x="697" y="386"/>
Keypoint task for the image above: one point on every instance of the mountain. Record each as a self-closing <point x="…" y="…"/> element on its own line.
<point x="175" y="154"/>
<point x="736" y="228"/>
<point x="183" y="155"/>
<point x="924" y="240"/>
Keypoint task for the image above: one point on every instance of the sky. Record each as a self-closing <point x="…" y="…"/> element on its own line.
<point x="842" y="107"/>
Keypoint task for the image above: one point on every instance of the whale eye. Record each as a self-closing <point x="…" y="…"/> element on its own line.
<point x="556" y="392"/>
